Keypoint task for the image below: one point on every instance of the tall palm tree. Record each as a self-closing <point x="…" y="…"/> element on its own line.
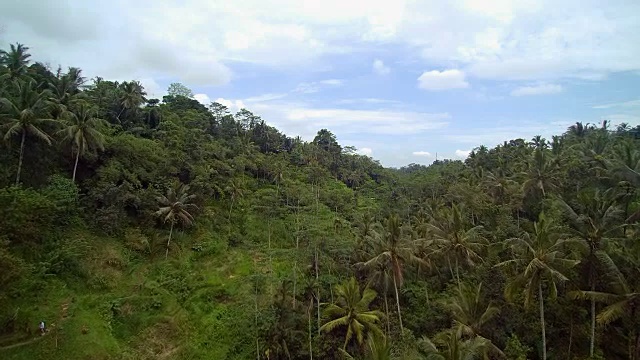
<point x="16" y="62"/>
<point x="351" y="310"/>
<point x="540" y="174"/>
<point x="456" y="241"/>
<point x="174" y="207"/>
<point x="393" y="249"/>
<point x="25" y="115"/>
<point x="448" y="345"/>
<point x="623" y="303"/>
<point x="82" y="128"/>
<point x="133" y="96"/>
<point x="593" y="221"/>
<point x="538" y="258"/>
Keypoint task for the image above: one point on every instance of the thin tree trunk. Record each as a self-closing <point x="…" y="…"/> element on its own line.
<point x="295" y="282"/>
<point x="24" y="135"/>
<point x="395" y="286"/>
<point x="75" y="166"/>
<point x="386" y="310"/>
<point x="318" y="290"/>
<point x="166" y="254"/>
<point x="570" y="337"/>
<point x="593" y="320"/>
<point x="544" y="336"/>
<point x="309" y="309"/>
<point x="256" y="324"/>
<point x="457" y="272"/>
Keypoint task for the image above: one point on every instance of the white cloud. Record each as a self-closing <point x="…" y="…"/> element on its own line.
<point x="365" y="151"/>
<point x="442" y="80"/>
<point x="540" y="89"/>
<point x="463" y="154"/>
<point x="331" y="82"/>
<point x="232" y="105"/>
<point x="203" y="99"/>
<point x="499" y="39"/>
<point x="380" y="68"/>
<point x="630" y="103"/>
<point x="422" y="153"/>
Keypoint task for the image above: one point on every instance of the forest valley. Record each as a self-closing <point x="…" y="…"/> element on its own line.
<point x="141" y="228"/>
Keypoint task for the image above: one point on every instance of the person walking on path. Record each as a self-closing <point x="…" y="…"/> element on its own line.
<point x="42" y="328"/>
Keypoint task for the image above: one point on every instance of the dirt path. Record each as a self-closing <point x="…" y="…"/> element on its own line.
<point x="21" y="343"/>
<point x="63" y="315"/>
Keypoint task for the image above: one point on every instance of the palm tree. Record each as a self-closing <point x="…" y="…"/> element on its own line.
<point x="471" y="313"/>
<point x="132" y="97"/>
<point x="83" y="130"/>
<point x="593" y="221"/>
<point x="448" y="346"/>
<point x="25" y="116"/>
<point x="351" y="310"/>
<point x="538" y="258"/>
<point x="174" y="207"/>
<point x="540" y="174"/>
<point x="16" y="61"/>
<point x="393" y="249"/>
<point x="455" y="241"/>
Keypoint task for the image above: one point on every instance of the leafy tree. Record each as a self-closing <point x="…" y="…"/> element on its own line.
<point x="351" y="310"/>
<point x="26" y="115"/>
<point x="177" y="89"/>
<point x="16" y="61"/>
<point x="448" y="346"/>
<point x="174" y="207"/>
<point x="539" y="258"/>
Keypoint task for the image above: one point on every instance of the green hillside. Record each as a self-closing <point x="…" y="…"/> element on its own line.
<point x="140" y="228"/>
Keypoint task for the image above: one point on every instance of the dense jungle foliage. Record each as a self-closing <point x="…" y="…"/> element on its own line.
<point x="141" y="228"/>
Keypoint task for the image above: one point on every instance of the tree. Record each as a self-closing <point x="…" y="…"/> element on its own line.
<point x="25" y="116"/>
<point x="393" y="249"/>
<point x="594" y="220"/>
<point x="132" y="96"/>
<point x="539" y="258"/>
<point x="541" y="174"/>
<point x="174" y="207"/>
<point x="623" y="303"/>
<point x="16" y="62"/>
<point x="82" y="128"/>
<point x="351" y="310"/>
<point x="448" y="346"/>
<point x="177" y="89"/>
<point x="455" y="241"/>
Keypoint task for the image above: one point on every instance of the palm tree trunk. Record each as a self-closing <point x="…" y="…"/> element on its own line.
<point x="395" y="286"/>
<point x="593" y="321"/>
<point x="544" y="336"/>
<point x="457" y="271"/>
<point x="24" y="135"/>
<point x="75" y="166"/>
<point x="309" y="315"/>
<point x="386" y="310"/>
<point x="166" y="254"/>
<point x="318" y="291"/>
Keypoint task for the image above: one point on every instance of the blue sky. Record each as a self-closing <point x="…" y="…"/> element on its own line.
<point x="400" y="80"/>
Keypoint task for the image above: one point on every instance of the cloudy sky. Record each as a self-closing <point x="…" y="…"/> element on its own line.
<point x="401" y="80"/>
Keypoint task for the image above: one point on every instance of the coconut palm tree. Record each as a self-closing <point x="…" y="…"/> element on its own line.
<point x="351" y="310"/>
<point x="174" y="207"/>
<point x="448" y="346"/>
<point x="538" y="258"/>
<point x="82" y="128"/>
<point x="24" y="116"/>
<point x="623" y="303"/>
<point x="132" y="97"/>
<point x="16" y="62"/>
<point x="456" y="241"/>
<point x="393" y="248"/>
<point x="594" y="220"/>
<point x="471" y="312"/>
<point x="540" y="174"/>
